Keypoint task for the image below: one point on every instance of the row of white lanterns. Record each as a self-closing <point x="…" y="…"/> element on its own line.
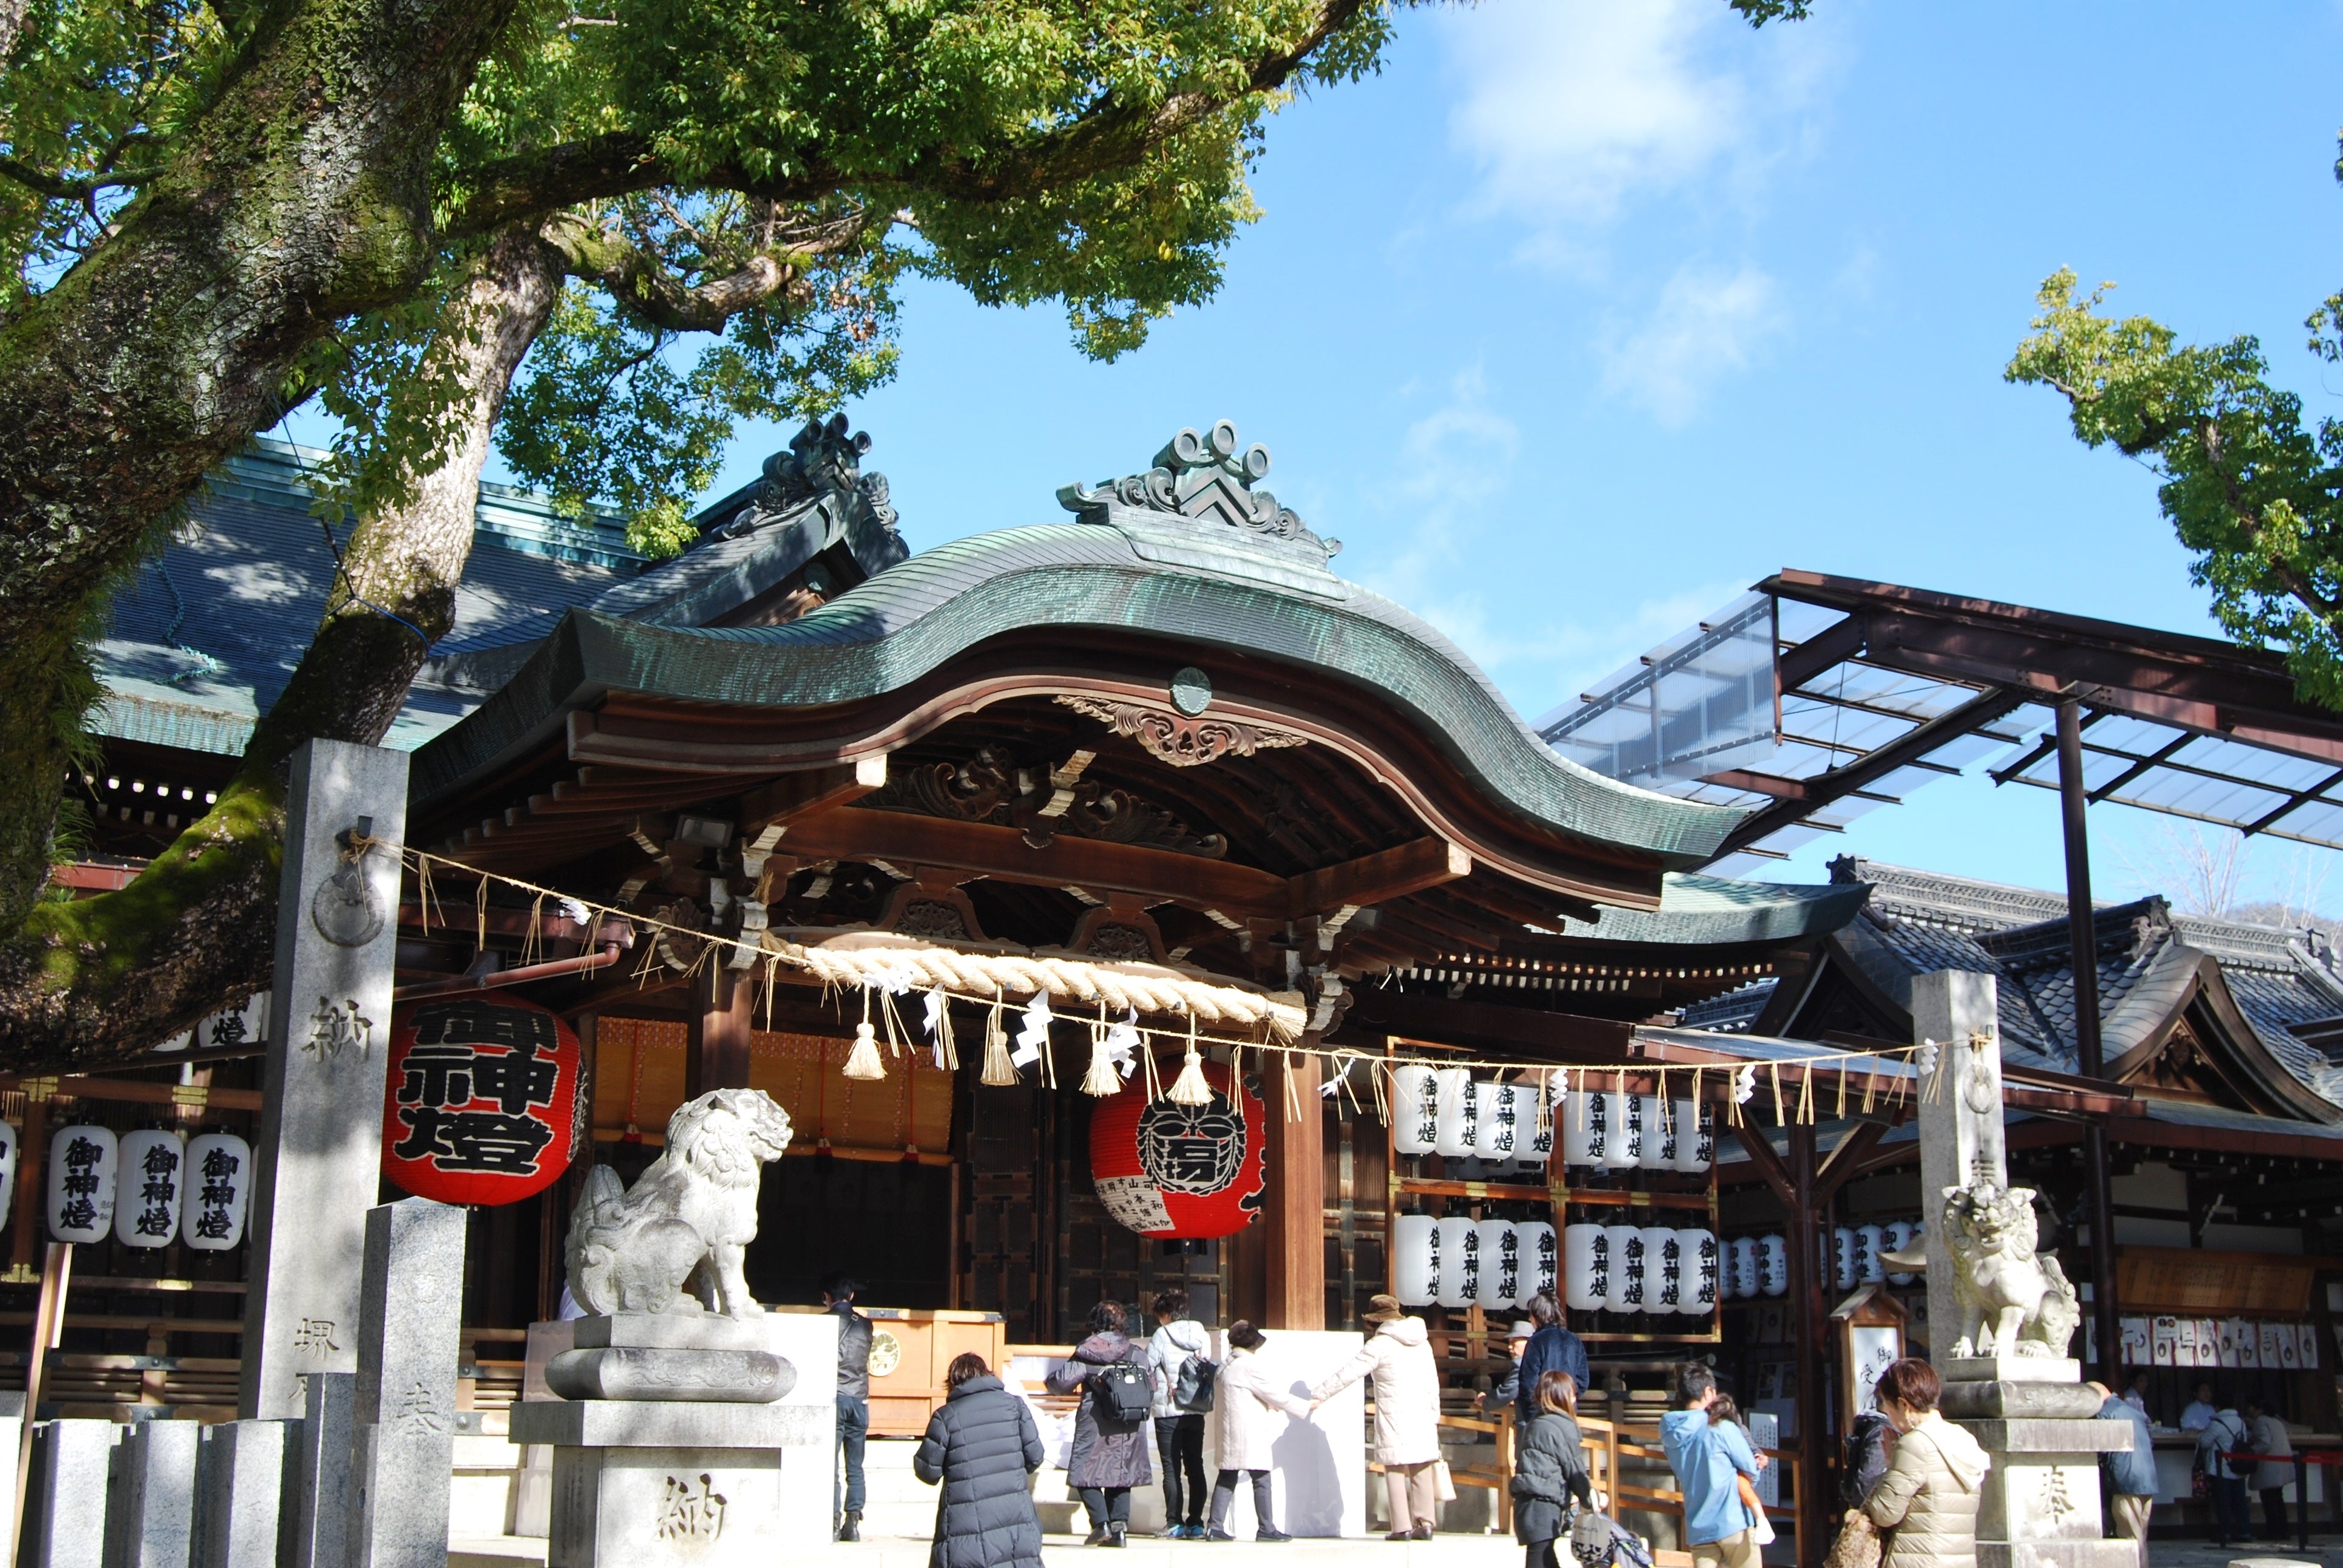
<point x="1447" y="1112"/>
<point x="1760" y="1265"/>
<point x="146" y="1188"/>
<point x="1466" y="1262"/>
<point x="1639" y="1268"/>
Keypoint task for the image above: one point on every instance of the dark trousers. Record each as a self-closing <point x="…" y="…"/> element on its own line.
<point x="1107" y="1505"/>
<point x="1224" y="1496"/>
<point x="2231" y="1516"/>
<point x="854" y="1428"/>
<point x="1179" y="1443"/>
<point x="2274" y="1511"/>
<point x="1538" y="1554"/>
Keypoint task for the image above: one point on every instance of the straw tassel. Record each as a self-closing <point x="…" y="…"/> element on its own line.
<point x="863" y="1062"/>
<point x="1101" y="1080"/>
<point x="1189" y="1088"/>
<point x="997" y="1071"/>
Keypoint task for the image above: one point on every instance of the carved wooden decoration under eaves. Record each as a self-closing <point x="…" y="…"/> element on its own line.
<point x="1178" y="741"/>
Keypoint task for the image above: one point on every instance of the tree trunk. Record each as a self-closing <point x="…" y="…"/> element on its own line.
<point x="300" y="196"/>
<point x="111" y="976"/>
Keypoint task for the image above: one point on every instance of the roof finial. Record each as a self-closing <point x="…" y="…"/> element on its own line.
<point x="1206" y="478"/>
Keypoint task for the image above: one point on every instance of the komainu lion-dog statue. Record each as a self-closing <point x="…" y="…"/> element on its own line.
<point x="687" y="1222"/>
<point x="2014" y="1300"/>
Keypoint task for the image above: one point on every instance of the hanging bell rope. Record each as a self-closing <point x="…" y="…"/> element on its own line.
<point x="863" y="1062"/>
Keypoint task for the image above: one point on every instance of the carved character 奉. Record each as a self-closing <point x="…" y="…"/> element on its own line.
<point x="688" y="1221"/>
<point x="2013" y="1299"/>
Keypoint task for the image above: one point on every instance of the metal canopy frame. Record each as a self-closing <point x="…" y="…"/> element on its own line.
<point x="1878" y="689"/>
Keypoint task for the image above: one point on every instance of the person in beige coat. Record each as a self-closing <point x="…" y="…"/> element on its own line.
<point x="1245" y="1406"/>
<point x="1398" y="1356"/>
<point x="1929" y="1494"/>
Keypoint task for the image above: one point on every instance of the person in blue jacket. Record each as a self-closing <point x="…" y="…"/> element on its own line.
<point x="1551" y="1348"/>
<point x="2131" y="1471"/>
<point x="1709" y="1458"/>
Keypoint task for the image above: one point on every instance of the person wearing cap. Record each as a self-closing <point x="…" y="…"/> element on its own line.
<point x="1244" y="1398"/>
<point x="1508" y="1391"/>
<point x="1398" y="1356"/>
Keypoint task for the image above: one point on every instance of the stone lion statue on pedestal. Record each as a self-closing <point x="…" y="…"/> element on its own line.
<point x="688" y="1221"/>
<point x="2013" y="1299"/>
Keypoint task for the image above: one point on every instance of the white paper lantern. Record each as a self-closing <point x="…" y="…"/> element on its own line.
<point x="1843" y="1272"/>
<point x="1536" y="1138"/>
<point x="1416" y="1110"/>
<point x="152" y="1187"/>
<point x="1501" y="1264"/>
<point x="1741" y="1259"/>
<point x="1498" y="1110"/>
<point x="219" y="1186"/>
<point x="1589" y="1133"/>
<point x="1869" y="1240"/>
<point x="1901" y="1233"/>
<point x="1772" y="1265"/>
<point x="1663" y="1269"/>
<point x="1659" y="1147"/>
<point x="8" y="1137"/>
<point x="1630" y="1281"/>
<point x="1696" y="1136"/>
<point x="1456" y="1118"/>
<point x="1535" y="1239"/>
<point x="1415" y="1259"/>
<point x="1585" y="1268"/>
<point x="1702" y="1271"/>
<point x="83" y="1160"/>
<point x="1627" y="1137"/>
<point x="1460" y="1262"/>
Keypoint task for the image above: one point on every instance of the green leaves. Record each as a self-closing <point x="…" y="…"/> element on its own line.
<point x="2253" y="492"/>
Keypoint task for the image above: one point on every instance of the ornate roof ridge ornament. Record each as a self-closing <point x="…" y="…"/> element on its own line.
<point x="822" y="463"/>
<point x="1207" y="478"/>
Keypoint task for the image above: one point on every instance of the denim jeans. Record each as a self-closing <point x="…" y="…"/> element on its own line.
<point x="854" y="1428"/>
<point x="1179" y="1443"/>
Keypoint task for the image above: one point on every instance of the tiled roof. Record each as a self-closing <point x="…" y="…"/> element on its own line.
<point x="1734" y="1013"/>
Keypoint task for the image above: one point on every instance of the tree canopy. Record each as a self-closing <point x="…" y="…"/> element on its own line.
<point x="2251" y="487"/>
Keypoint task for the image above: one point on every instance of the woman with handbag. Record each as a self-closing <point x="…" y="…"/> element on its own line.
<point x="1549" y="1470"/>
<point x="1930" y="1492"/>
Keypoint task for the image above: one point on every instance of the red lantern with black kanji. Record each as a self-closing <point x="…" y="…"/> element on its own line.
<point x="1163" y="1168"/>
<point x="482" y="1104"/>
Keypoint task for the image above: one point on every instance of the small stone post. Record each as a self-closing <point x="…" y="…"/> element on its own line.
<point x="2037" y="1421"/>
<point x="150" y="1517"/>
<point x="403" y="1429"/>
<point x="318" y="1517"/>
<point x="319" y="1152"/>
<point x="64" y="1506"/>
<point x="239" y="1485"/>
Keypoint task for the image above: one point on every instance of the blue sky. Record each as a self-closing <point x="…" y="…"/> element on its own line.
<point x="1582" y="318"/>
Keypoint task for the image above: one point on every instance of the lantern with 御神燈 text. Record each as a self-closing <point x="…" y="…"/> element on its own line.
<point x="482" y="1103"/>
<point x="219" y="1189"/>
<point x="1164" y="1169"/>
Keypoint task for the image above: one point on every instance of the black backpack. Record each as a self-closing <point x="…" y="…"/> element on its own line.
<point x="1124" y="1391"/>
<point x="1191" y="1391"/>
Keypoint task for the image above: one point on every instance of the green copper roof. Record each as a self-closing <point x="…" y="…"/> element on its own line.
<point x="1705" y="911"/>
<point x="1190" y="551"/>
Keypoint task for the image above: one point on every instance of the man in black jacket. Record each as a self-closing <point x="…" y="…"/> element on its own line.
<point x="853" y="1397"/>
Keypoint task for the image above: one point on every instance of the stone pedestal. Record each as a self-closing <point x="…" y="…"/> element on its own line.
<point x="151" y="1511"/>
<point x="657" y="1483"/>
<point x="65" y="1501"/>
<point x="239" y="1487"/>
<point x="403" y="1428"/>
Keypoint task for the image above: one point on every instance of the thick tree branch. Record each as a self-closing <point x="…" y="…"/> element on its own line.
<point x="638" y="280"/>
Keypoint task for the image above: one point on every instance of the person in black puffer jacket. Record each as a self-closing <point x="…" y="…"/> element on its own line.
<point x="1870" y="1447"/>
<point x="1549" y="1470"/>
<point x="1109" y="1456"/>
<point x="982" y="1446"/>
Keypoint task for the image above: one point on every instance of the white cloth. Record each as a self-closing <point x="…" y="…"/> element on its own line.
<point x="1244" y="1412"/>
<point x="1398" y="1356"/>
<point x="1169" y="1349"/>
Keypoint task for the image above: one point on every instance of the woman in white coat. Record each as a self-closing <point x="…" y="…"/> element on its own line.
<point x="1398" y="1356"/>
<point x="1245" y="1403"/>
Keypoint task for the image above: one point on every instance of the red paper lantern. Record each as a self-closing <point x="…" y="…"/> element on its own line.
<point x="482" y="1104"/>
<point x="1163" y="1168"/>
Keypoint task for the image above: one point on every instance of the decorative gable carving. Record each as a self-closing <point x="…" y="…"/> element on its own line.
<point x="1204" y="478"/>
<point x="1178" y="740"/>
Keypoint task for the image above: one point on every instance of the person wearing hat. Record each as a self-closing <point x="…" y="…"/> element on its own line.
<point x="1398" y="1356"/>
<point x="1508" y="1391"/>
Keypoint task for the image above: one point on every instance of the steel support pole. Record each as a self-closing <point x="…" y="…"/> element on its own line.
<point x="2083" y="939"/>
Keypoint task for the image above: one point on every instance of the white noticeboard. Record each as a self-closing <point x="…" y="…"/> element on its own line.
<point x="1872" y="1350"/>
<point x="1765" y="1432"/>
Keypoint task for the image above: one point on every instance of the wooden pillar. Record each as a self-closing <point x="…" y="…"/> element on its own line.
<point x="1806" y="1237"/>
<point x="1294" y="1205"/>
<point x="723" y="1011"/>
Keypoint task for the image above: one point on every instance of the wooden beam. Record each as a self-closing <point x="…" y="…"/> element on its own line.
<point x="1847" y="1158"/>
<point x="722" y="1019"/>
<point x="797" y="794"/>
<point x="1296" y="1200"/>
<point x="1768" y="1163"/>
<point x="1372" y="878"/>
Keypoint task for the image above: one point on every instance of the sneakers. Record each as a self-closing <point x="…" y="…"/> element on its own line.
<point x="1270" y="1536"/>
<point x="852" y="1528"/>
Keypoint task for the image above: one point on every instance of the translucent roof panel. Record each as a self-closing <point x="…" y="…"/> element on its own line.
<point x="1697" y="704"/>
<point x="2186" y="773"/>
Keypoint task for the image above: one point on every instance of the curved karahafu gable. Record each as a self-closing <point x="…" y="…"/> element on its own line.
<point x="1187" y="562"/>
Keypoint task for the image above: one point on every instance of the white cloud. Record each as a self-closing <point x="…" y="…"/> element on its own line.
<point x="1706" y="325"/>
<point x="1570" y="109"/>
